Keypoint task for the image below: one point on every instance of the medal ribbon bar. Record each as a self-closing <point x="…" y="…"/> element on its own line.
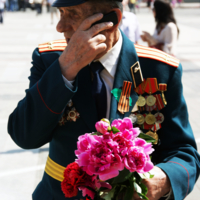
<point x="123" y="105"/>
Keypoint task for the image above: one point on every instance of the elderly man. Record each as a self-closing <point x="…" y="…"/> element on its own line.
<point x="64" y="101"/>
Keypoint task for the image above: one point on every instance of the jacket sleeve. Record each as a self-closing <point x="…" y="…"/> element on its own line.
<point x="33" y="121"/>
<point x="177" y="153"/>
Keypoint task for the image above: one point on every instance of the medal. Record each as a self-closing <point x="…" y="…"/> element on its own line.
<point x="163" y="88"/>
<point x="140" y="90"/>
<point x="141" y="101"/>
<point x="133" y="118"/>
<point x="151" y="100"/>
<point x="159" y="117"/>
<point x="140" y="119"/>
<point x="153" y="135"/>
<point x="151" y="85"/>
<point x="72" y="114"/>
<point x="150" y="119"/>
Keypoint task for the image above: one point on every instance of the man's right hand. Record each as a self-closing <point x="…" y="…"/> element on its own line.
<point x="84" y="46"/>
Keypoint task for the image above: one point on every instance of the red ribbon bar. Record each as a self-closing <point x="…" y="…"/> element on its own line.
<point x="163" y="87"/>
<point x="156" y="127"/>
<point x="140" y="88"/>
<point x="159" y="102"/>
<point x="123" y="105"/>
<point x="151" y="86"/>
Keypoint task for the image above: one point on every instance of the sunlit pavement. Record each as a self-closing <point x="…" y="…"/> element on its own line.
<point x="21" y="170"/>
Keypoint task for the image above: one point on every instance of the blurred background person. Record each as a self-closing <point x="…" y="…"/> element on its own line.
<point x="131" y="5"/>
<point x="38" y="6"/>
<point x="166" y="32"/>
<point x="129" y="24"/>
<point x="2" y="6"/>
<point x="53" y="10"/>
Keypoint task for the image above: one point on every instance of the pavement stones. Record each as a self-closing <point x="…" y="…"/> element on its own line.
<point x="21" y="170"/>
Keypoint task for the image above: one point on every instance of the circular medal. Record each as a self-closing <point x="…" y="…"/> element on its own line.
<point x="159" y="117"/>
<point x="141" y="101"/>
<point x="150" y="119"/>
<point x="140" y="119"/>
<point x="153" y="135"/>
<point x="151" y="100"/>
<point x="133" y="118"/>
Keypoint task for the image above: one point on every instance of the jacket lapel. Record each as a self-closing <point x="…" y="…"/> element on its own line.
<point x="128" y="57"/>
<point x="83" y="99"/>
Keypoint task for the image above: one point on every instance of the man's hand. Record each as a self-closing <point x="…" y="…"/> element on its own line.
<point x="84" y="45"/>
<point x="157" y="186"/>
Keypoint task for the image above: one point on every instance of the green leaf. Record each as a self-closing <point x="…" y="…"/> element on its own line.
<point x="129" y="192"/>
<point x="147" y="138"/>
<point x="144" y="188"/>
<point x="115" y="130"/>
<point x="124" y="175"/>
<point x="110" y="194"/>
<point x="146" y="175"/>
<point x="142" y="196"/>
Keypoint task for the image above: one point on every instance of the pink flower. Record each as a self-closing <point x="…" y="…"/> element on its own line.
<point x="122" y="124"/>
<point x="102" y="158"/>
<point x="137" y="160"/>
<point x="102" y="127"/>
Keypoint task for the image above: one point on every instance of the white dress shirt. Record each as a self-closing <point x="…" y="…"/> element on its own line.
<point x="109" y="61"/>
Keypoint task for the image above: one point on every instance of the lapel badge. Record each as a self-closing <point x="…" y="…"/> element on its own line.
<point x="136" y="74"/>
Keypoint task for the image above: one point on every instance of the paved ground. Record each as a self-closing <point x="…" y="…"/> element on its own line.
<point x="21" y="170"/>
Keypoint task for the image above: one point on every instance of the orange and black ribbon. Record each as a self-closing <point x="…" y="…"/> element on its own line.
<point x="123" y="105"/>
<point x="151" y="85"/>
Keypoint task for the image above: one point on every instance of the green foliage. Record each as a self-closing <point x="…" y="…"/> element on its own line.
<point x="147" y="138"/>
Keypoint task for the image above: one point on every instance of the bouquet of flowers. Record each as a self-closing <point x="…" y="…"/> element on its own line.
<point x="110" y="163"/>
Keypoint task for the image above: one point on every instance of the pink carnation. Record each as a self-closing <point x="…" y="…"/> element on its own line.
<point x="102" y="127"/>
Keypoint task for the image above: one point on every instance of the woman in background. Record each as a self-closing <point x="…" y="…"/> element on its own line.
<point x="166" y="32"/>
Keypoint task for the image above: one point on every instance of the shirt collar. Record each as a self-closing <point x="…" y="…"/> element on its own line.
<point x="110" y="59"/>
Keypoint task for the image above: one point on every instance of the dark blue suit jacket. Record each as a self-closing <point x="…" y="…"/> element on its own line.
<point x="34" y="122"/>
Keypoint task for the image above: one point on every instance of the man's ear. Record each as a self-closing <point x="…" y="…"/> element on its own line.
<point x="119" y="16"/>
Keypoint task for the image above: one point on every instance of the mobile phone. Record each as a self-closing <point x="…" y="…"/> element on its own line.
<point x="109" y="17"/>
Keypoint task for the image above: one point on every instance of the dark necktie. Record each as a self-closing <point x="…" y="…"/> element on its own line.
<point x="99" y="90"/>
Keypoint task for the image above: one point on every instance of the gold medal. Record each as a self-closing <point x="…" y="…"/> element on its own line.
<point x="140" y="119"/>
<point x="153" y="135"/>
<point x="150" y="119"/>
<point x="151" y="100"/>
<point x="141" y="101"/>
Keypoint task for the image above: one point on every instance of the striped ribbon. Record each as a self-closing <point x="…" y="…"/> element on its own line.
<point x="163" y="87"/>
<point x="140" y="88"/>
<point x="159" y="102"/>
<point x="156" y="127"/>
<point x="123" y="105"/>
<point x="151" y="85"/>
<point x="54" y="170"/>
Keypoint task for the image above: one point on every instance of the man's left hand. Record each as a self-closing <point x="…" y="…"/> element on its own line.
<point x="158" y="186"/>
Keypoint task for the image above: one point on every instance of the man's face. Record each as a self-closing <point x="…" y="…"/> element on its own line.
<point x="71" y="18"/>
